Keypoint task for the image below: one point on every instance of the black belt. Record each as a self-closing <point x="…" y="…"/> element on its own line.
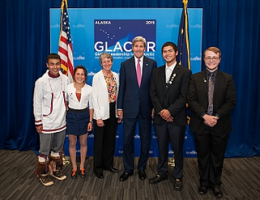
<point x="78" y="111"/>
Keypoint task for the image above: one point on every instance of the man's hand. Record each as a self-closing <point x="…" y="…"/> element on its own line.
<point x="120" y="115"/>
<point x="152" y="115"/>
<point x="210" y="120"/>
<point x="166" y="115"/>
<point x="39" y="128"/>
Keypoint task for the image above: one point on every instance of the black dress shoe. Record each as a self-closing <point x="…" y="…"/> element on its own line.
<point x="99" y="175"/>
<point x="157" y="179"/>
<point x="142" y="175"/>
<point x="113" y="170"/>
<point x="74" y="174"/>
<point x="178" y="185"/>
<point x="125" y="176"/>
<point x="217" y="192"/>
<point x="82" y="173"/>
<point x="203" y="190"/>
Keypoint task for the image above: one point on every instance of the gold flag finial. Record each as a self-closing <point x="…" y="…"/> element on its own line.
<point x="185" y="2"/>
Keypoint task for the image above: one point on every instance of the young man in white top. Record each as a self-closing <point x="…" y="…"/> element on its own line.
<point x="50" y="105"/>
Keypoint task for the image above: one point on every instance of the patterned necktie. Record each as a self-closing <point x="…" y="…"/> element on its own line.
<point x="138" y="73"/>
<point x="210" y="94"/>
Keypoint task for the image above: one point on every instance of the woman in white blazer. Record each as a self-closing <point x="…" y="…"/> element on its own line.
<point x="105" y="90"/>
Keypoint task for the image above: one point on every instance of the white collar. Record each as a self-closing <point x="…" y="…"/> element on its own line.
<point x="141" y="59"/>
<point x="170" y="67"/>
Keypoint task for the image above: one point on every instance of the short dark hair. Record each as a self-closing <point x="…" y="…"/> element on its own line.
<point x="80" y="67"/>
<point x="170" y="44"/>
<point x="52" y="56"/>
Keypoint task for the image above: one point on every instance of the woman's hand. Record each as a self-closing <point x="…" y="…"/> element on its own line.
<point x="90" y="126"/>
<point x="100" y="123"/>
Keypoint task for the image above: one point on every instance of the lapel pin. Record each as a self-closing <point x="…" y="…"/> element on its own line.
<point x="173" y="76"/>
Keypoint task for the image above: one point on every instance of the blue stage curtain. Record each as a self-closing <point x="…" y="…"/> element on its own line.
<point x="233" y="26"/>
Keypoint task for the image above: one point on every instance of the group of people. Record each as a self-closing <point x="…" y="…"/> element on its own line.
<point x="140" y="94"/>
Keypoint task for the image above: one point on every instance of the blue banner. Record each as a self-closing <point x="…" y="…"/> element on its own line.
<point x="94" y="31"/>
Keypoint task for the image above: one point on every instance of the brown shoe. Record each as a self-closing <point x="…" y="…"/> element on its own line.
<point x="58" y="175"/>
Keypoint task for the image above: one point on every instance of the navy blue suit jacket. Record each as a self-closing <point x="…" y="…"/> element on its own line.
<point x="131" y="98"/>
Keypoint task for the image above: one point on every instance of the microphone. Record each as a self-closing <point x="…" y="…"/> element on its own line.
<point x="204" y="80"/>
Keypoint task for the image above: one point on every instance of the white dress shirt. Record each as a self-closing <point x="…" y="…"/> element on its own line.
<point x="168" y="71"/>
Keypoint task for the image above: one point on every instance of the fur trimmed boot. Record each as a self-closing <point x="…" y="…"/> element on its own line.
<point x="42" y="173"/>
<point x="55" y="167"/>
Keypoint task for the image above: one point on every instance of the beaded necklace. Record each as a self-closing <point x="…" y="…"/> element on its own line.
<point x="53" y="91"/>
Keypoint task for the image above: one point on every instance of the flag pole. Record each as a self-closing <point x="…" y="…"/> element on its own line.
<point x="185" y="2"/>
<point x="183" y="50"/>
<point x="65" y="159"/>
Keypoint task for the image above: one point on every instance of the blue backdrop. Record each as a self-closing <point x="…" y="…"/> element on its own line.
<point x="233" y="26"/>
<point x="94" y="31"/>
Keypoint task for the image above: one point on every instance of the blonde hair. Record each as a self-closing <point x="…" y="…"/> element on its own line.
<point x="213" y="49"/>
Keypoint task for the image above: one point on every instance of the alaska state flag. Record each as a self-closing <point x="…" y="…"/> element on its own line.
<point x="183" y="38"/>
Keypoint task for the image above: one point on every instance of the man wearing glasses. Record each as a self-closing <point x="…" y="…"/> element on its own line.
<point x="211" y="98"/>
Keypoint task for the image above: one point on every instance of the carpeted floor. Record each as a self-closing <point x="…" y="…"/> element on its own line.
<point x="241" y="180"/>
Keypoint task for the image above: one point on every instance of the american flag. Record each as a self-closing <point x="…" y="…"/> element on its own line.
<point x="65" y="44"/>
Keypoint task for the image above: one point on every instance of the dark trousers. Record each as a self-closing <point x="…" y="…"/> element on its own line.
<point x="210" y="152"/>
<point x="145" y="139"/>
<point x="166" y="133"/>
<point x="104" y="142"/>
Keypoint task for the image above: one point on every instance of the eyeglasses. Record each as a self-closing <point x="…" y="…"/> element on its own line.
<point x="209" y="58"/>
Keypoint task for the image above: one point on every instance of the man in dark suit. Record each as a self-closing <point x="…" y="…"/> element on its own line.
<point x="168" y="92"/>
<point x="134" y="105"/>
<point x="211" y="98"/>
